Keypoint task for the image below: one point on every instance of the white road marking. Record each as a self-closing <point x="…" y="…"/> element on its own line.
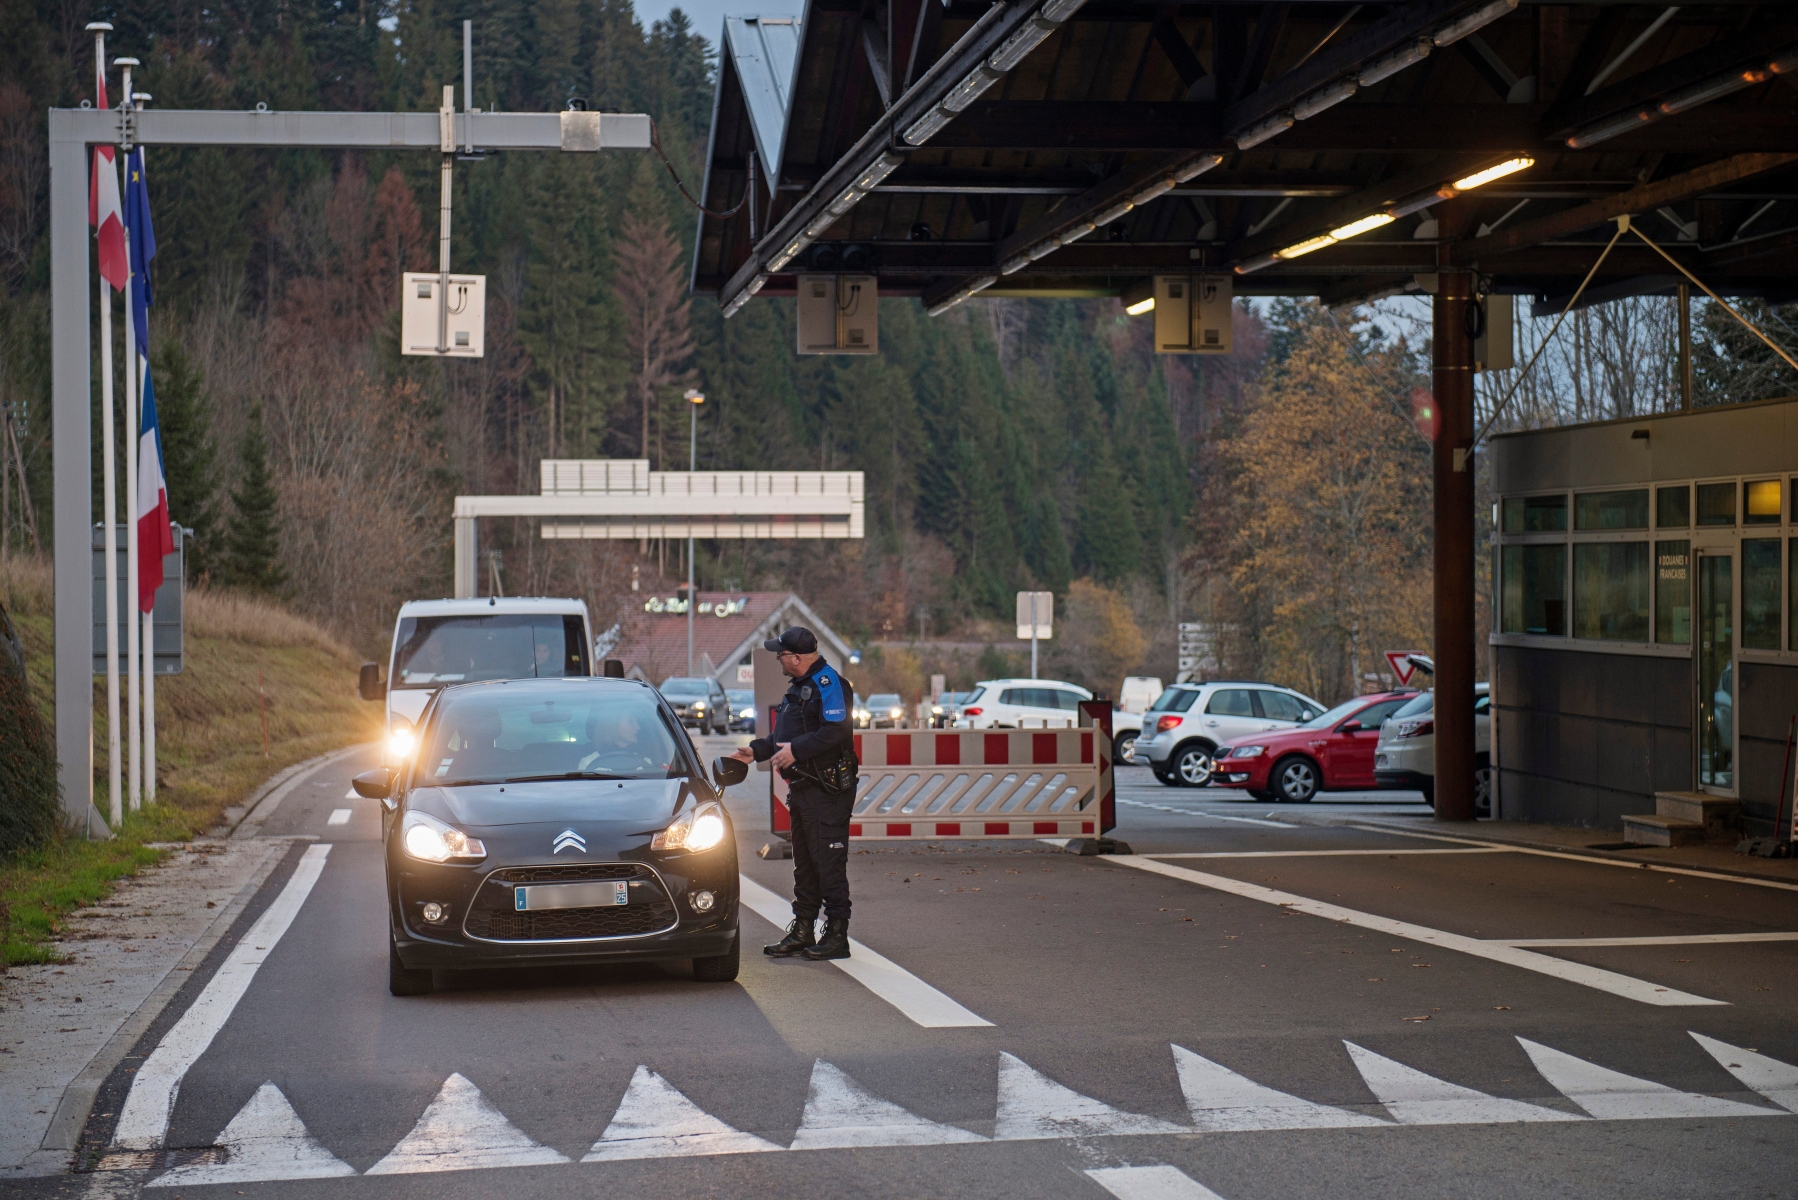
<point x="266" y="1140"/>
<point x="1773" y="1079"/>
<point x="1160" y="1182"/>
<point x="144" y="1120"/>
<point x="1199" y="812"/>
<point x="1676" y="939"/>
<point x="1585" y="858"/>
<point x="1529" y="960"/>
<point x="1613" y="1096"/>
<point x="839" y="1112"/>
<point x="654" y="1120"/>
<point x="459" y="1131"/>
<point x="1031" y="1105"/>
<point x="879" y="974"/>
<point x="1222" y="1101"/>
<point x="1330" y="854"/>
<point x="339" y="816"/>
<point x="1414" y="1098"/>
<point x="352" y="794"/>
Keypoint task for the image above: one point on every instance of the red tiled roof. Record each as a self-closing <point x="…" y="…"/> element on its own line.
<point x="656" y="642"/>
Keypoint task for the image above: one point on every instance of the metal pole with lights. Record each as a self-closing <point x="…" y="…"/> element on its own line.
<point x="694" y="399"/>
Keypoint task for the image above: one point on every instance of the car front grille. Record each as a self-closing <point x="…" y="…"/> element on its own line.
<point x="492" y="918"/>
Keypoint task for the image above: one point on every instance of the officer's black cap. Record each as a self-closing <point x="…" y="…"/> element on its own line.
<point x="797" y="640"/>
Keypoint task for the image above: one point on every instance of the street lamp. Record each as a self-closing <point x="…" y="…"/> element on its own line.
<point x="694" y="398"/>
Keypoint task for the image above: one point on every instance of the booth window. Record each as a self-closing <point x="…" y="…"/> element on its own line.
<point x="1760" y="502"/>
<point x="1716" y="504"/>
<point x="1673" y="507"/>
<point x="1610" y="589"/>
<point x="1535" y="514"/>
<point x="1535" y="589"/>
<point x="1611" y="510"/>
<point x="1792" y="593"/>
<point x="1760" y="594"/>
<point x="1673" y="593"/>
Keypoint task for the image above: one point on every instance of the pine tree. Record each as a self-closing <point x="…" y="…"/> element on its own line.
<point x="252" y="558"/>
<point x="189" y="454"/>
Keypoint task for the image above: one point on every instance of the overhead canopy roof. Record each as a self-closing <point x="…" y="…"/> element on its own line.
<point x="1275" y="123"/>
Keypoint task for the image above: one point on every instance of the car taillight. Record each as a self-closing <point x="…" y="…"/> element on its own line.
<point x="1167" y="723"/>
<point x="970" y="712"/>
<point x="1411" y="729"/>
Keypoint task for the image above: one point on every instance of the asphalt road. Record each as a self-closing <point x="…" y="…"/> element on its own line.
<point x="1306" y="1011"/>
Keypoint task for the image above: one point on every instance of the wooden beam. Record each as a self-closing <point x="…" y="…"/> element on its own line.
<point x="1641" y="199"/>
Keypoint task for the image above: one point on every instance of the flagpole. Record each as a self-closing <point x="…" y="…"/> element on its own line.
<point x="109" y="488"/>
<point x="132" y="639"/>
<point x="149" y="634"/>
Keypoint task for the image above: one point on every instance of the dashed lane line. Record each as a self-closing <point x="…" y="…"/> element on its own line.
<point x="1543" y="964"/>
<point x="144" y="1120"/>
<point x="879" y="974"/>
<point x="1202" y="813"/>
<point x="339" y="816"/>
<point x="1330" y="854"/>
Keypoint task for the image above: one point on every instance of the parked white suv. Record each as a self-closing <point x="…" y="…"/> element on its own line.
<point x="1182" y="730"/>
<point x="1022" y="704"/>
<point x="1405" y="757"/>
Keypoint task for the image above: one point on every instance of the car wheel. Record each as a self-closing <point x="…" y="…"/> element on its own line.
<point x="1482" y="788"/>
<point x="1295" y="780"/>
<point x="721" y="968"/>
<point x="1124" y="748"/>
<point x="403" y="980"/>
<point x="1193" y="766"/>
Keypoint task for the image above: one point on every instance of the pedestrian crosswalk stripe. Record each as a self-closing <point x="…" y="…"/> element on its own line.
<point x="1613" y="1096"/>
<point x="461" y="1130"/>
<point x="1220" y="1100"/>
<point x="1773" y="1079"/>
<point x="266" y="1140"/>
<point x="1160" y="1182"/>
<point x="654" y="1120"/>
<point x="1414" y="1098"/>
<point x="1031" y="1105"/>
<point x="839" y="1112"/>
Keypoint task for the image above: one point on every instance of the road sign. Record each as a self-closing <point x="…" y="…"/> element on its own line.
<point x="1036" y="612"/>
<point x="167" y="614"/>
<point x="1402" y="666"/>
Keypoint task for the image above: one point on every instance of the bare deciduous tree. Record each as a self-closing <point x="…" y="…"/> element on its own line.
<point x="658" y="332"/>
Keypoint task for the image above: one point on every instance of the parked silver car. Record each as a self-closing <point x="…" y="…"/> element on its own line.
<point x="1182" y="730"/>
<point x="1406" y="755"/>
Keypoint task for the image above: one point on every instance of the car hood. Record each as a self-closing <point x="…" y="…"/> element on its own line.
<point x="1275" y="739"/>
<point x="617" y="805"/>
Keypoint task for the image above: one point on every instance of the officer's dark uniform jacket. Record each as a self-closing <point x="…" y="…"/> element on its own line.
<point x="814" y="720"/>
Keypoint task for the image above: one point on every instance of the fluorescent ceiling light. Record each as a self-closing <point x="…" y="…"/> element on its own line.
<point x="1197" y="166"/>
<point x="1014" y="264"/>
<point x="1355" y="228"/>
<point x="1481" y="178"/>
<point x="977" y="284"/>
<point x="1254" y="135"/>
<point x="1076" y="233"/>
<point x="970" y="88"/>
<point x="1393" y="63"/>
<point x="1479" y="18"/>
<point x="1141" y="306"/>
<point x="878" y="170"/>
<point x="1714" y="89"/>
<point x="1061" y="10"/>
<point x="1610" y="127"/>
<point x="1113" y="213"/>
<point x="1305" y="247"/>
<point x="1155" y="189"/>
<point x="1018" y="46"/>
<point x="927" y="126"/>
<point x="1323" y="98"/>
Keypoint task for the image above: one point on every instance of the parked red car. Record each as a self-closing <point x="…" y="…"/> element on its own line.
<point x="1329" y="753"/>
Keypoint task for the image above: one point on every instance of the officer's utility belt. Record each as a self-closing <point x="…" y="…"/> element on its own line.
<point x="834" y="776"/>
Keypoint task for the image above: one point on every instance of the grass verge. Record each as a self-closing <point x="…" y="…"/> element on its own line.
<point x="248" y="664"/>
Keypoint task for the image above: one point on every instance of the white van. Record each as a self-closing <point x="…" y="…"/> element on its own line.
<point x="440" y="642"/>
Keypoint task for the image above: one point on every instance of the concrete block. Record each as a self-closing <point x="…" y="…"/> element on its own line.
<point x="1647" y="829"/>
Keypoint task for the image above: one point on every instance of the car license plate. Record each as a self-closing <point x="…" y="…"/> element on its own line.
<point x="570" y="895"/>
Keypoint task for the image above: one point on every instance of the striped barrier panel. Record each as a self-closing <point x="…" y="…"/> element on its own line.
<point x="981" y="785"/>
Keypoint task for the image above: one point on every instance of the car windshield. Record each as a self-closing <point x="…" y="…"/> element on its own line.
<point x="432" y="651"/>
<point x="740" y="699"/>
<point x="1416" y="706"/>
<point x="1174" y="700"/>
<point x="516" y="734"/>
<point x="1325" y="720"/>
<point x="686" y="687"/>
<point x="884" y="700"/>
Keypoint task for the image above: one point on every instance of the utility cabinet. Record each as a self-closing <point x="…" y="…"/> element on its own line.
<point x="839" y="314"/>
<point x="1192" y="314"/>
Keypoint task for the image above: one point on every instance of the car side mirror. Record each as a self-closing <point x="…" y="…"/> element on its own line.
<point x="368" y="682"/>
<point x="374" y="785"/>
<point x="729" y="771"/>
<point x="1349" y="727"/>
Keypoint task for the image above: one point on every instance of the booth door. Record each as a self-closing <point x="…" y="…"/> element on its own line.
<point x="1715" y="661"/>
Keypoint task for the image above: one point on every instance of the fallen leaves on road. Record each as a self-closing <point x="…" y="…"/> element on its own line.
<point x="1420" y="964"/>
<point x="1425" y="1017"/>
<point x="1501" y="1008"/>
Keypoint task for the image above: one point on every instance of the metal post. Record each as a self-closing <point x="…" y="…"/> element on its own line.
<point x="447" y="115"/>
<point x="1685" y="345"/>
<point x="467" y="86"/>
<point x="1033" y="635"/>
<point x="466" y="560"/>
<point x="692" y="465"/>
<point x="71" y="377"/>
<point x="1452" y="350"/>
<point x="133" y="642"/>
<point x="109" y="491"/>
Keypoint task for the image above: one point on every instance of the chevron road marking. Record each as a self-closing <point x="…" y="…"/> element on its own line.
<point x="1150" y="1183"/>
<point x="1768" y="1076"/>
<point x="1031" y="1105"/>
<point x="1221" y="1101"/>
<point x="1614" y="1096"/>
<point x="1414" y="1098"/>
<point x="266" y="1140"/>
<point x="654" y="1120"/>
<point x="460" y="1130"/>
<point x="838" y="1112"/>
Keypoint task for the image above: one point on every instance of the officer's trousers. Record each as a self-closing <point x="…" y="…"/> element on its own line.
<point x="820" y="850"/>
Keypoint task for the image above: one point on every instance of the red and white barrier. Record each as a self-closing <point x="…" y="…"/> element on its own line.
<point x="990" y="785"/>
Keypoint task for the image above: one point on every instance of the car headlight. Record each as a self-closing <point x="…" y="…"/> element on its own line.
<point x="699" y="705"/>
<point x="696" y="829"/>
<point x="424" y="836"/>
<point x="894" y="712"/>
<point x="1248" y="752"/>
<point x="400" y="739"/>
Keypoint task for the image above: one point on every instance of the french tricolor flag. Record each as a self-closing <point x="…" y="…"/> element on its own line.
<point x="154" y="537"/>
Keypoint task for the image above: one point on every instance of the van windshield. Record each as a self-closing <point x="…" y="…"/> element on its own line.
<point x="430" y="652"/>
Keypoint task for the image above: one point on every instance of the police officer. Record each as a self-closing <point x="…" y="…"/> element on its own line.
<point x="812" y="749"/>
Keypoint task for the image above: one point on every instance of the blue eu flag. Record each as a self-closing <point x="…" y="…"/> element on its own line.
<point x="143" y="246"/>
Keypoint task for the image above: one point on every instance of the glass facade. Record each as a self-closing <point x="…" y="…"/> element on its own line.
<point x="1716" y="504"/>
<point x="1610" y="589"/>
<point x="1535" y="514"/>
<point x="1673" y="507"/>
<point x="1760" y="593"/>
<point x="1673" y="593"/>
<point x="1760" y="502"/>
<point x="1535" y="589"/>
<point x="1611" y="510"/>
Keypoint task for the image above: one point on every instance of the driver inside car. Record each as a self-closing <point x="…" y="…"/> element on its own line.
<point x="616" y="736"/>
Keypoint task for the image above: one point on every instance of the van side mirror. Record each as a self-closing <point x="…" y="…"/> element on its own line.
<point x="729" y="772"/>
<point x="374" y="785"/>
<point x="368" y="682"/>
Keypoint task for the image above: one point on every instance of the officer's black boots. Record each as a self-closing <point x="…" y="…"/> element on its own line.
<point x="834" y="943"/>
<point x="800" y="936"/>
